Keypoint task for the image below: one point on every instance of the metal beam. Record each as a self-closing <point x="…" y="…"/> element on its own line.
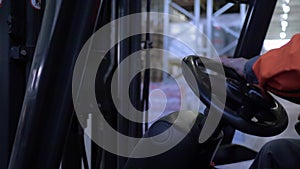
<point x="255" y="28"/>
<point x="4" y="86"/>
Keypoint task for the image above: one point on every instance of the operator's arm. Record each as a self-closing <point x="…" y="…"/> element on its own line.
<point x="278" y="70"/>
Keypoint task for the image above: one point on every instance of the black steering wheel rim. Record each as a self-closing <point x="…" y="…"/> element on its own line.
<point x="248" y="108"/>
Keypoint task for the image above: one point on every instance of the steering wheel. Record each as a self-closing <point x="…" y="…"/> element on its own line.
<point x="248" y="108"/>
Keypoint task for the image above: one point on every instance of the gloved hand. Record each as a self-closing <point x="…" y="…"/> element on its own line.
<point x="237" y="64"/>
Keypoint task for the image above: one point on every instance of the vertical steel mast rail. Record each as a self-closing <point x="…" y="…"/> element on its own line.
<point x="47" y="108"/>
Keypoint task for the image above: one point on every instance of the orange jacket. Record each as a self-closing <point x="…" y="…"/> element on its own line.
<point x="278" y="70"/>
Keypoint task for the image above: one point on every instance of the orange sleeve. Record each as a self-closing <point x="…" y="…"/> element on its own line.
<point x="279" y="69"/>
